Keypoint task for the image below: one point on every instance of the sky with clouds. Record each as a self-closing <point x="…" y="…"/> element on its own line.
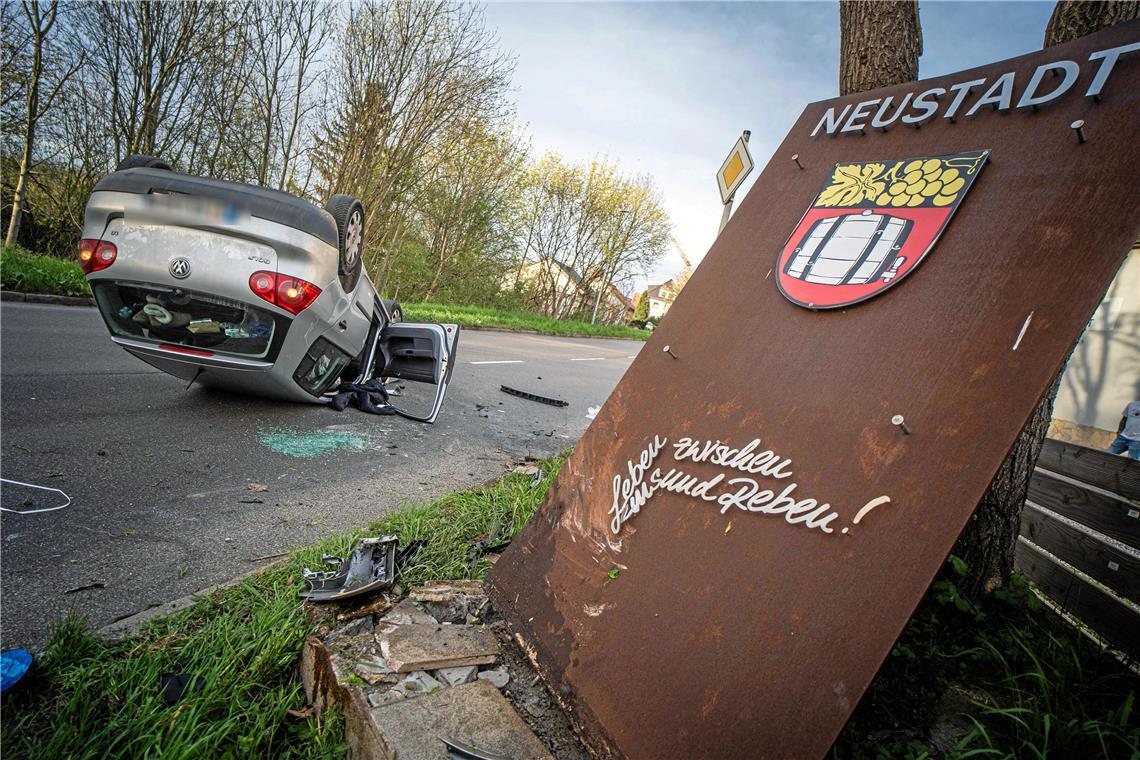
<point x="666" y="88"/>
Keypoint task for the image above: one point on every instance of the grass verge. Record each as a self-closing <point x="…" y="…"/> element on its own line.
<point x="24" y="271"/>
<point x="479" y="316"/>
<point x="1003" y="678"/>
<point x="86" y="698"/>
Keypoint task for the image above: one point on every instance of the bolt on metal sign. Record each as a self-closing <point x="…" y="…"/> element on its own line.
<point x="752" y="517"/>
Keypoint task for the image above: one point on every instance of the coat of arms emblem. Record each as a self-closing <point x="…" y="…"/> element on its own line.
<point x="871" y="225"/>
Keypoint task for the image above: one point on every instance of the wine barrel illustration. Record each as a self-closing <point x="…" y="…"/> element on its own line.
<point x="855" y="249"/>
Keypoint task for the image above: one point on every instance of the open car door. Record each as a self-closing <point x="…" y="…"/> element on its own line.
<point x="421" y="354"/>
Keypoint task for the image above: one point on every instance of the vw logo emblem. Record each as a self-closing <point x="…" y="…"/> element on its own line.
<point x="180" y="268"/>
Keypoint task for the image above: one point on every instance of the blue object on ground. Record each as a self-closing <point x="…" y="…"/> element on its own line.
<point x="13" y="665"/>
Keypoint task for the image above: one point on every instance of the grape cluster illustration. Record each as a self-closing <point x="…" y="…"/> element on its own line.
<point x="920" y="180"/>
<point x="929" y="181"/>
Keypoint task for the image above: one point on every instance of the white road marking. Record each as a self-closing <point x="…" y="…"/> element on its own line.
<point x="591" y="359"/>
<point x="631" y="356"/>
<point x="502" y="361"/>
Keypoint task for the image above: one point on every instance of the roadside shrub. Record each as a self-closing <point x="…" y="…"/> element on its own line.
<point x="21" y="270"/>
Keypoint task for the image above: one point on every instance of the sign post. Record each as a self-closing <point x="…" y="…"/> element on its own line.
<point x="732" y="173"/>
<point x="752" y="517"/>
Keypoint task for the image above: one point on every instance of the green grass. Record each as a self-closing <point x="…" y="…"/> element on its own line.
<point x="479" y="316"/>
<point x="1031" y="685"/>
<point x="86" y="698"/>
<point x="26" y="272"/>
<point x="1015" y="679"/>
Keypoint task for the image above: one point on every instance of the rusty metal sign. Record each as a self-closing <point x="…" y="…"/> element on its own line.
<point x="752" y="517"/>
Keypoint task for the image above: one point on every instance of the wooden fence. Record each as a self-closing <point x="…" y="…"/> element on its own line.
<point x="1083" y="509"/>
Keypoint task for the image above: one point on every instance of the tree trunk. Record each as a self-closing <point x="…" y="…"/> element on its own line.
<point x="987" y="544"/>
<point x="41" y="25"/>
<point x="21" y="186"/>
<point x="879" y="44"/>
<point x="1076" y="18"/>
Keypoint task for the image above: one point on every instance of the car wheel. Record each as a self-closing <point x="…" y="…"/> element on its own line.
<point x="394" y="311"/>
<point x="142" y="162"/>
<point x="349" y="215"/>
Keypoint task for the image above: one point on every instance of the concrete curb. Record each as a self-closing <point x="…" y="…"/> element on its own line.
<point x="133" y="624"/>
<point x="12" y="295"/>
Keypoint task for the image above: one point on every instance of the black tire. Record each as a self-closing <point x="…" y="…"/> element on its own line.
<point x="349" y="215"/>
<point x="142" y="162"/>
<point x="394" y="311"/>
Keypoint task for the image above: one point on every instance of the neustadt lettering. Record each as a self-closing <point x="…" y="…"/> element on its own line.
<point x="633" y="492"/>
<point x="916" y="109"/>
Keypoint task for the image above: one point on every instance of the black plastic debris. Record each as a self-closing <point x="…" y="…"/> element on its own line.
<point x="492" y="544"/>
<point x="372" y="566"/>
<point x="457" y="750"/>
<point x="533" y="396"/>
<point x="407" y="553"/>
<point x="174" y="685"/>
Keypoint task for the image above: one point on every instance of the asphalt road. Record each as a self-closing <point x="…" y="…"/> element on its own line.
<point x="159" y="475"/>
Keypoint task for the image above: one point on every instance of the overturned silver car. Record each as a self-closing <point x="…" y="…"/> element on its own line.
<point x="248" y="289"/>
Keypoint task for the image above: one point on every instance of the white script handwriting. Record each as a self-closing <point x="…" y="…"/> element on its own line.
<point x="632" y="493"/>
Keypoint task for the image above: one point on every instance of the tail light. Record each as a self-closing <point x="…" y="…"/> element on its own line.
<point x="292" y="294"/>
<point x="96" y="254"/>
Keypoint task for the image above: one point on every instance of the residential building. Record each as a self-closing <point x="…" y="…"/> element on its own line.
<point x="661" y="297"/>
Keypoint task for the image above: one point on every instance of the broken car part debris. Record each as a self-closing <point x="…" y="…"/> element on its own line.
<point x="493" y="544"/>
<point x="457" y="750"/>
<point x="533" y="396"/>
<point x="372" y="566"/>
<point x="407" y="553"/>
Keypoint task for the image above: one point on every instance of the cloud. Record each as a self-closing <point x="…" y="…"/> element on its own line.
<point x="666" y="88"/>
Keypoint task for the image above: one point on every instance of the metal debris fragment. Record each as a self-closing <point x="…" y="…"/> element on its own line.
<point x="457" y="750"/>
<point x="533" y="396"/>
<point x="371" y="566"/>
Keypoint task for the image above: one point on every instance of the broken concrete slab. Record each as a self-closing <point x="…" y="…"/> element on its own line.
<point x="324" y="687"/>
<point x="497" y="678"/>
<point x="419" y="682"/>
<point x="406" y="613"/>
<point x="473" y="713"/>
<point x="375" y="670"/>
<point x="413" y="647"/>
<point x="354" y="628"/>
<point x="451" y="601"/>
<point x="381" y="698"/>
<point x="457" y="676"/>
<point x="369" y="608"/>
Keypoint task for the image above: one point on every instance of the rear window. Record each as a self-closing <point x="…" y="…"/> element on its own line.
<point x="187" y="318"/>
